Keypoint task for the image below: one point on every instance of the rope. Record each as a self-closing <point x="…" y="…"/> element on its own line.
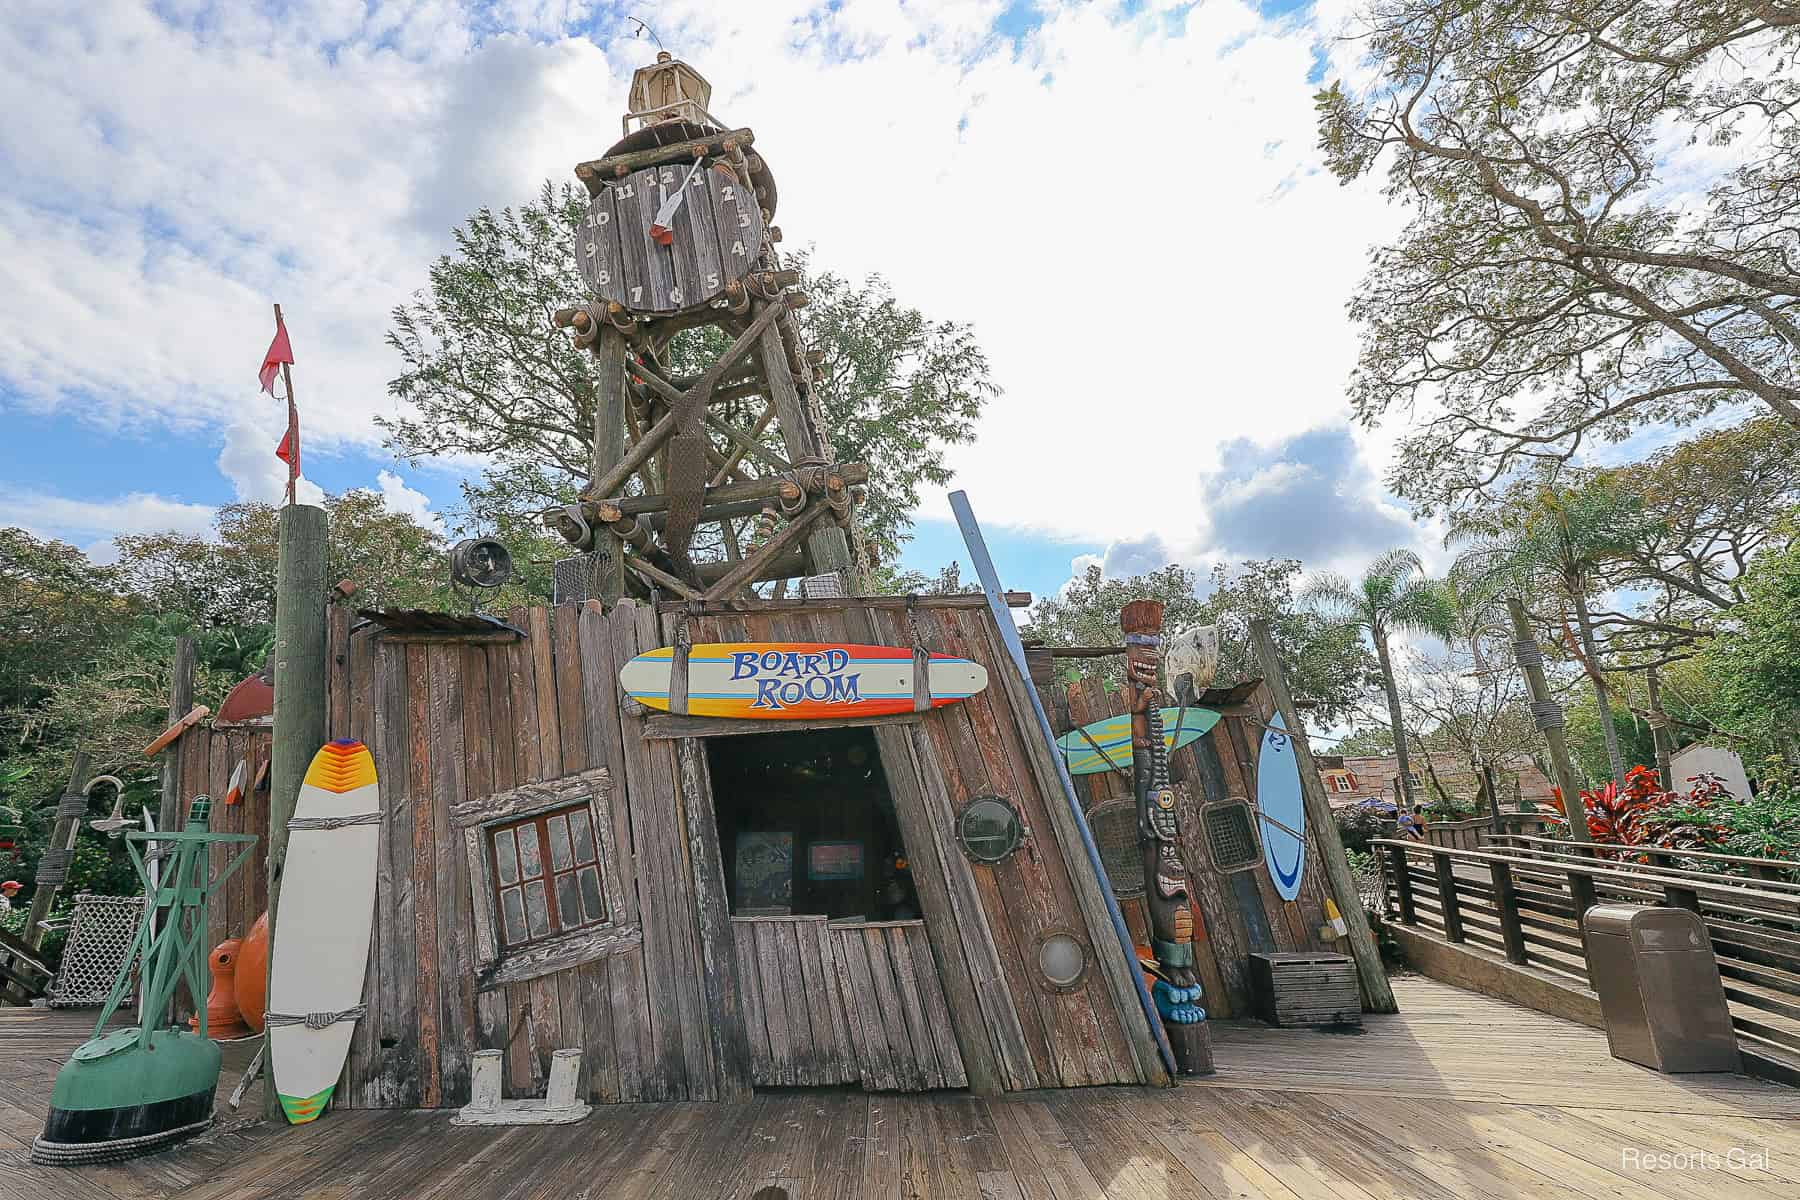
<point x="53" y="867"/>
<point x="71" y="804"/>
<point x="368" y="818"/>
<point x="318" y="1020"/>
<point x="1526" y="652"/>
<point x="1547" y="713"/>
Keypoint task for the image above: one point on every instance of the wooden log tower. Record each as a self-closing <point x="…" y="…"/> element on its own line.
<point x="678" y="237"/>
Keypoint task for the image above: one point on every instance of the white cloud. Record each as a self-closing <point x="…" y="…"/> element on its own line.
<point x="1126" y="206"/>
<point x="94" y="523"/>
<point x="248" y="459"/>
<point x="401" y="499"/>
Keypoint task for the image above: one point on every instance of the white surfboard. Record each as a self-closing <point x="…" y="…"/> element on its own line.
<point x="1282" y="810"/>
<point x="321" y="942"/>
<point x="798" y="680"/>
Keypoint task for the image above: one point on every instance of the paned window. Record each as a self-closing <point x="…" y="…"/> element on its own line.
<point x="547" y="873"/>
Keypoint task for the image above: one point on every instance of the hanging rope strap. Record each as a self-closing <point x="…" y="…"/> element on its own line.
<point x="1547" y="713"/>
<point x="71" y="804"/>
<point x="1526" y="652"/>
<point x="53" y="867"/>
<point x="368" y="818"/>
<point x="318" y="1020"/>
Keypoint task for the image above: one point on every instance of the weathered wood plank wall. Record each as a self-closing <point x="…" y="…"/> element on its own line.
<point x="449" y="721"/>
<point x="664" y="1018"/>
<point x="984" y="920"/>
<point x="1240" y="912"/>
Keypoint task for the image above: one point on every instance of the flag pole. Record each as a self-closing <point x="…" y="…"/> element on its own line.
<point x="293" y="437"/>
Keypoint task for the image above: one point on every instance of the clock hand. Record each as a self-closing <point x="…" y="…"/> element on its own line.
<point x="662" y="230"/>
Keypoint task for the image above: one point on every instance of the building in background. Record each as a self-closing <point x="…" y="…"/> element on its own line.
<point x="1353" y="778"/>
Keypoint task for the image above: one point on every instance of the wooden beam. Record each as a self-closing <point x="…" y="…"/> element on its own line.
<point x="192" y="718"/>
<point x="1322" y="826"/>
<point x="596" y="173"/>
<point x="609" y="434"/>
<point x="299" y="692"/>
<point x="676" y="725"/>
<point x="746" y="445"/>
<point x="829" y="603"/>
<point x="181" y="698"/>
<point x="747" y="570"/>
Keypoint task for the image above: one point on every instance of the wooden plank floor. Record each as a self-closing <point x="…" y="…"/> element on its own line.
<point x="1459" y="1096"/>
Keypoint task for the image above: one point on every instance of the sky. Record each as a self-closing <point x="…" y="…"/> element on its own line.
<point x="1123" y="199"/>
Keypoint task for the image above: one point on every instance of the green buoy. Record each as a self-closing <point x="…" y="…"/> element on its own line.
<point x="131" y="1091"/>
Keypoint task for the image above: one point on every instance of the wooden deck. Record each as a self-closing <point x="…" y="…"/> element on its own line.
<point x="1459" y="1096"/>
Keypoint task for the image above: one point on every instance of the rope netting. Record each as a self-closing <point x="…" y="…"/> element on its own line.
<point x="101" y="933"/>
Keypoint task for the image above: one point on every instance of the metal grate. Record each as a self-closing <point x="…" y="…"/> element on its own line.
<point x="1230" y="835"/>
<point x="101" y="933"/>
<point x="1114" y="824"/>
<point x="578" y="579"/>
<point x="829" y="586"/>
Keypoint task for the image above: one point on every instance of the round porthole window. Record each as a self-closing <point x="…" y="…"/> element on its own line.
<point x="989" y="829"/>
<point x="1062" y="960"/>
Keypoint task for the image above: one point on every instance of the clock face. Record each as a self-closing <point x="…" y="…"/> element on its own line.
<point x="669" y="238"/>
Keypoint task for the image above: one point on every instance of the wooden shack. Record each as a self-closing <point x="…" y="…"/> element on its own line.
<point x="672" y="992"/>
<point x="1240" y="912"/>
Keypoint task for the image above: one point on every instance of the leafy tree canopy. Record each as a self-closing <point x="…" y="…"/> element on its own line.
<point x="1552" y="288"/>
<point x="1326" y="662"/>
<point x="488" y="376"/>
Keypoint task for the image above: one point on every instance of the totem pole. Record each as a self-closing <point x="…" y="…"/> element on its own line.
<point x="1177" y="986"/>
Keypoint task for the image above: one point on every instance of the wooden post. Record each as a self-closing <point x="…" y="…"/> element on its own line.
<point x="299" y="692"/>
<point x="1403" y="888"/>
<point x="1487" y="777"/>
<point x="1447" y="897"/>
<point x="69" y="810"/>
<point x="1377" y="994"/>
<point x="1676" y="896"/>
<point x="1506" y="902"/>
<point x="1549" y="719"/>
<point x="609" y="445"/>
<point x="1659" y="732"/>
<point x="181" y="699"/>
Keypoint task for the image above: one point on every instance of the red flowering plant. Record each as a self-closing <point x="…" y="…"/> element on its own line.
<point x="1618" y="817"/>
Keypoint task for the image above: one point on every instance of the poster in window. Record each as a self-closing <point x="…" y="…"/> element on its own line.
<point x="765" y="871"/>
<point x="834" y="860"/>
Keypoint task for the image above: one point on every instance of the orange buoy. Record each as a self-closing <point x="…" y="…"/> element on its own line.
<point x="221" y="1003"/>
<point x="253" y="974"/>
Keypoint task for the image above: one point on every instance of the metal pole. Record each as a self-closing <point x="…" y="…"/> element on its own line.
<point x="299" y="691"/>
<point x="1549" y="716"/>
<point x="1363" y="950"/>
<point x="1009" y="633"/>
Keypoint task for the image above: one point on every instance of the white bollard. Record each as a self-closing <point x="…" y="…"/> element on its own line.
<point x="561" y="1106"/>
<point x="484" y="1082"/>
<point x="565" y="1071"/>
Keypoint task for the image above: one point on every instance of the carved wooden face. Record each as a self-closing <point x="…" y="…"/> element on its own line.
<point x="666" y="239"/>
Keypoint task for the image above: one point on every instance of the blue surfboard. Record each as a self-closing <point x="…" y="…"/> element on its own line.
<point x="1282" y="812"/>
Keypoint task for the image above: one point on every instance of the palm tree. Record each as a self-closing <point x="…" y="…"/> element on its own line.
<point x="1393" y="596"/>
<point x="1558" y="543"/>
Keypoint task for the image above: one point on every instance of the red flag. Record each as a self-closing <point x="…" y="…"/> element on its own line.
<point x="279" y="352"/>
<point x="289" y="451"/>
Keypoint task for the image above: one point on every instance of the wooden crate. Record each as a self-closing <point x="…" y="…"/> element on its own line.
<point x="1304" y="989"/>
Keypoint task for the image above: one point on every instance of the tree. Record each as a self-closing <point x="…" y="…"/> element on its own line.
<point x="1552" y="287"/>
<point x="486" y="374"/>
<point x="1327" y="663"/>
<point x="58" y="611"/>
<point x="229" y="578"/>
<point x="1553" y="543"/>
<point x="1393" y="596"/>
<point x="1753" y="665"/>
<point x="1481" y="716"/>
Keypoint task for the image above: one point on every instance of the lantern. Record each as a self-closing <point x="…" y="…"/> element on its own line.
<point x="668" y="90"/>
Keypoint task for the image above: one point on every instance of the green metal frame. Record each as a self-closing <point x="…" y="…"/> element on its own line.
<point x="174" y="948"/>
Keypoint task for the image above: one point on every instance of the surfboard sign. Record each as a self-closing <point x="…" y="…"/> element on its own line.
<point x="1106" y="744"/>
<point x="321" y="942"/>
<point x="1281" y="811"/>
<point x="788" y="681"/>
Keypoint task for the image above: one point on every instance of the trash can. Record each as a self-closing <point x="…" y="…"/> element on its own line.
<point x="1659" y="988"/>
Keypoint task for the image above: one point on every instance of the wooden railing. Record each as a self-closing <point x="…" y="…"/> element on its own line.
<point x="1470" y="832"/>
<point x="1522" y="898"/>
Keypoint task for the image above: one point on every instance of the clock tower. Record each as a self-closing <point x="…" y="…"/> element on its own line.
<point x="703" y="484"/>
